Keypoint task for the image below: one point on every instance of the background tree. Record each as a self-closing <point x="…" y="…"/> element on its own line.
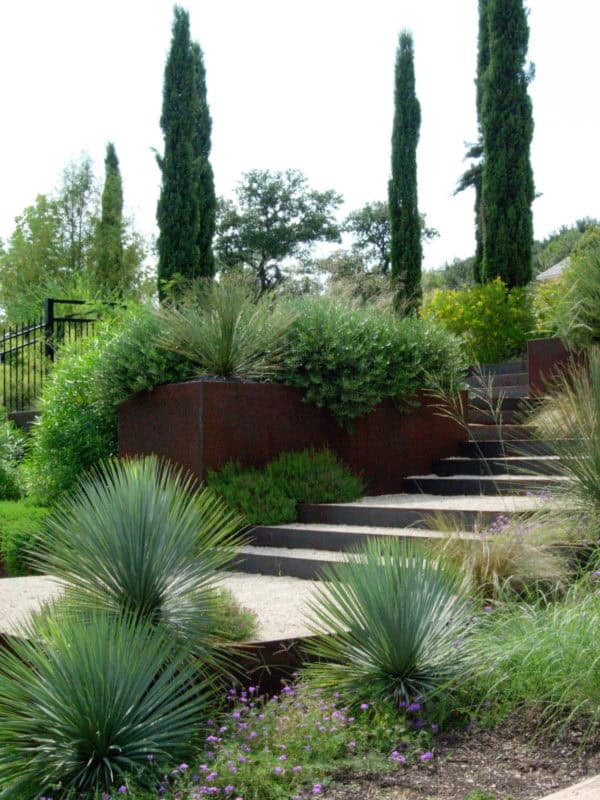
<point x="371" y="229"/>
<point x="54" y="250"/>
<point x="277" y="217"/>
<point x="472" y="177"/>
<point x="186" y="212"/>
<point x="406" y="252"/>
<point x="78" y="208"/>
<point x="109" y="233"/>
<point x="507" y="127"/>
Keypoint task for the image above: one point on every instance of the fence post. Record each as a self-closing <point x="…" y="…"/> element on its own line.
<point x="49" y="327"/>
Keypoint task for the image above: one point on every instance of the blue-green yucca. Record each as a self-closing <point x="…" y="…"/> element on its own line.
<point x="397" y="620"/>
<point x="86" y="699"/>
<point x="133" y="538"/>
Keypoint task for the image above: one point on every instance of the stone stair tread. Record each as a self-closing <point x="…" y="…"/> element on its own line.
<point x="293" y="553"/>
<point x="365" y="530"/>
<point x="511" y="458"/>
<point x="514" y="477"/>
<point x="432" y="502"/>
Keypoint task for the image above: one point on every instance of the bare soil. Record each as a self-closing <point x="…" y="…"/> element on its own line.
<point x="508" y="762"/>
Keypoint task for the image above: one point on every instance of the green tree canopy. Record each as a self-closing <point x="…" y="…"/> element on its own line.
<point x="507" y="128"/>
<point x="371" y="229"/>
<point x="109" y="232"/>
<point x="187" y="206"/>
<point x="406" y="252"/>
<point x="277" y="217"/>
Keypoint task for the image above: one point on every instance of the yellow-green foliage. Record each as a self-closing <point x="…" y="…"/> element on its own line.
<point x="493" y="321"/>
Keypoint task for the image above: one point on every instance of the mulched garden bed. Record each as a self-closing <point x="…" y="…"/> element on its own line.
<point x="509" y="762"/>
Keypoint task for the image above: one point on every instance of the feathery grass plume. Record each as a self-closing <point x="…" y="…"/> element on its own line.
<point x="512" y="556"/>
<point x="398" y="621"/>
<point x="224" y="332"/>
<point x="87" y="698"/>
<point x="133" y="539"/>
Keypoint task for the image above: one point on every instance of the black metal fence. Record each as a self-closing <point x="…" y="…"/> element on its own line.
<point x="27" y="350"/>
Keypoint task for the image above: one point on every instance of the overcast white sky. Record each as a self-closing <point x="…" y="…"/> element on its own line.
<point x="307" y="85"/>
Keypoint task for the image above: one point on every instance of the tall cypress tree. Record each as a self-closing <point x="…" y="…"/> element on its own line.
<point x="473" y="176"/>
<point x="185" y="220"/>
<point x="406" y="252"/>
<point x="507" y="128"/>
<point x="109" y="265"/>
<point x="206" y="185"/>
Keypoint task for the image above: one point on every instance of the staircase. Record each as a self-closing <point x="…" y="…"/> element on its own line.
<point x="500" y="471"/>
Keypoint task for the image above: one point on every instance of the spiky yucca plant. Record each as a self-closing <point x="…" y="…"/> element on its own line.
<point x="86" y="700"/>
<point x="398" y="621"/>
<point x="133" y="538"/>
<point x="225" y="333"/>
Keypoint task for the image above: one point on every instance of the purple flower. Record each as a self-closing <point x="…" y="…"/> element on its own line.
<point x="414" y="707"/>
<point x="122" y="789"/>
<point x="236" y="715"/>
<point x="183" y="766"/>
<point x="317" y="788"/>
<point x="228" y="789"/>
<point x="252" y="689"/>
<point x="426" y="756"/>
<point x="488" y="608"/>
<point x="364" y="707"/>
<point x="397" y="757"/>
<point x="283" y="757"/>
<point x="278" y="770"/>
<point x="296" y="769"/>
<point x="435" y="727"/>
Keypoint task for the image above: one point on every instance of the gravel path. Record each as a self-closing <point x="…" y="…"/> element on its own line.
<point x="279" y="602"/>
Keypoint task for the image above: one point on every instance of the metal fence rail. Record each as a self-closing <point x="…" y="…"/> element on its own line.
<point x="28" y="350"/>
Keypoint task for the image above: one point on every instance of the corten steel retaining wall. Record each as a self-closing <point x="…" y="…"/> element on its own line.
<point x="547" y="359"/>
<point x="201" y="425"/>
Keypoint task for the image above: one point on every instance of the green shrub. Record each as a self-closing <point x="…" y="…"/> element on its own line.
<point x="575" y="313"/>
<point x="232" y="622"/>
<point x="398" y="620"/>
<point x="349" y="359"/>
<point x="493" y="321"/>
<point x="20" y="526"/>
<point x="12" y="449"/>
<point x="84" y="702"/>
<point x="223" y="332"/>
<point x="78" y="424"/>
<point x="270" y="495"/>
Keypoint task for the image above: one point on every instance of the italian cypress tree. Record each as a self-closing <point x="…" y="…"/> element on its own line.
<point x="405" y="222"/>
<point x="206" y="185"/>
<point x="185" y="221"/>
<point x="473" y="176"/>
<point x="109" y="264"/>
<point x="507" y="128"/>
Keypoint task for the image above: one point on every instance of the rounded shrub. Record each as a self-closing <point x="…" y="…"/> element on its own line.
<point x="493" y="321"/>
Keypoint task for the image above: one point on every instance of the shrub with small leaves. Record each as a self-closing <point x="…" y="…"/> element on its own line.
<point x="493" y="321"/>
<point x="270" y="495"/>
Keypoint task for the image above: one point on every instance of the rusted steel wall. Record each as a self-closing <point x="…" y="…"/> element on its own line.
<point x="202" y="425"/>
<point x="546" y="358"/>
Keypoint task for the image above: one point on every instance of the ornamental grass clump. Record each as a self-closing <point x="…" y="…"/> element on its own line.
<point x="86" y="699"/>
<point x="570" y="418"/>
<point x="133" y="539"/>
<point x="223" y="332"/>
<point x="399" y="622"/>
<point x="542" y="657"/>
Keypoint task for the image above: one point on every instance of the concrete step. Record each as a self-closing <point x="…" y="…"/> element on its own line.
<point x="496" y="448"/>
<point x="487" y="416"/>
<point x="479" y="431"/>
<point x="303" y="563"/>
<point x="335" y="537"/>
<point x="498" y="380"/>
<point x="481" y="484"/>
<point x="505" y="367"/>
<point x="511" y="465"/>
<point x="388" y="511"/>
